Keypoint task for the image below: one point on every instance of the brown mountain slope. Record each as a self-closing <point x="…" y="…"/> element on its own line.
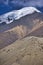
<point x="38" y="32"/>
<point x="20" y="28"/>
<point x="27" y="51"/>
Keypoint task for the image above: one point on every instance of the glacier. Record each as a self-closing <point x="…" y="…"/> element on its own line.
<point x="17" y="14"/>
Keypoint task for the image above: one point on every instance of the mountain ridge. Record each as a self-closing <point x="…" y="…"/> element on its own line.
<point x="21" y="28"/>
<point x="17" y="14"/>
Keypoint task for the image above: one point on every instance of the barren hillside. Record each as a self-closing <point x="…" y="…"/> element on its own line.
<point x="27" y="51"/>
<point x="21" y="28"/>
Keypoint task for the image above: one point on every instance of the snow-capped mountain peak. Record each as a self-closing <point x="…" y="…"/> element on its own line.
<point x="25" y="11"/>
<point x="17" y="14"/>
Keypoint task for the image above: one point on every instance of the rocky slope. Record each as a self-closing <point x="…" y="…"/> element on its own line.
<point x="27" y="51"/>
<point x="21" y="28"/>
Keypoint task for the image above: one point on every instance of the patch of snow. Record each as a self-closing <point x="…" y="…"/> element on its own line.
<point x="17" y="14"/>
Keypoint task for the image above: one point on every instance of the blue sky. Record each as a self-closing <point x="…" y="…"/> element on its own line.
<point x="8" y="5"/>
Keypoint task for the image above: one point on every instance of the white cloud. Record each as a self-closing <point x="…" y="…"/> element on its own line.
<point x="38" y="3"/>
<point x="6" y="2"/>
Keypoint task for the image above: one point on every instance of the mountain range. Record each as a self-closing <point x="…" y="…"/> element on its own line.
<point x="21" y="37"/>
<point x="17" y="14"/>
<point x="28" y="25"/>
<point x="10" y="5"/>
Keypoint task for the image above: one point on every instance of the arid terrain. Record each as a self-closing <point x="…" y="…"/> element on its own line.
<point x="21" y="42"/>
<point x="27" y="51"/>
<point x="30" y="25"/>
